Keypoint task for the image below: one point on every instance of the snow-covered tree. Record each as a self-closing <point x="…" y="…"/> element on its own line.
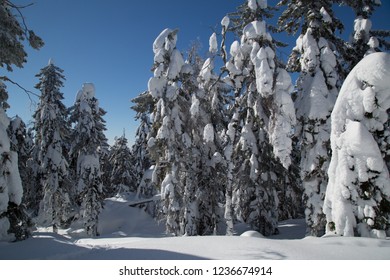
<point x="14" y="224"/>
<point x="261" y="126"/>
<point x="168" y="141"/>
<point x="314" y="56"/>
<point x="143" y="107"/>
<point x="357" y="199"/>
<point x="123" y="173"/>
<point x="13" y="32"/>
<point x="364" y="40"/>
<point x="208" y="122"/>
<point x="51" y="133"/>
<point x="18" y="137"/>
<point x="88" y="136"/>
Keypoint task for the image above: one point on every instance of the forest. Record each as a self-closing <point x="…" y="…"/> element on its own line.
<point x="224" y="139"/>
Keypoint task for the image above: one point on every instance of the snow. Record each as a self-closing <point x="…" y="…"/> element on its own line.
<point x="208" y="133"/>
<point x="213" y="44"/>
<point x="362" y="26"/>
<point x="175" y="65"/>
<point x="252" y="4"/>
<point x="325" y="16"/>
<point x="356" y="157"/>
<point x="225" y="22"/>
<point x="128" y="233"/>
<point x="255" y="30"/>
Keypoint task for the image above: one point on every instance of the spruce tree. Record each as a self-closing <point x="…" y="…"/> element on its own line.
<point x="14" y="223"/>
<point x="357" y="199"/>
<point x="208" y="122"/>
<point x="263" y="115"/>
<point x="88" y="136"/>
<point x="52" y="130"/>
<point x="168" y="142"/>
<point x="142" y="161"/>
<point x="364" y="39"/>
<point x="314" y="57"/>
<point x="122" y="174"/>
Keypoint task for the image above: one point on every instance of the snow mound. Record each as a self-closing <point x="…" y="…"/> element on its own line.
<point x="252" y="233"/>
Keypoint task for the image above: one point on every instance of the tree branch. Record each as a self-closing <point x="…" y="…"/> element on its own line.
<point x="28" y="92"/>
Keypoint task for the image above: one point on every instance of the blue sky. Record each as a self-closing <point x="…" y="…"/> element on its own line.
<point x="109" y="43"/>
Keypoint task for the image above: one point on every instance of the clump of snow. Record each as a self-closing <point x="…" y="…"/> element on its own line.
<point x="208" y="133"/>
<point x="225" y="22"/>
<point x="213" y="44"/>
<point x="255" y="30"/>
<point x="362" y="27"/>
<point x="325" y="16"/>
<point x="252" y="233"/>
<point x="206" y="71"/>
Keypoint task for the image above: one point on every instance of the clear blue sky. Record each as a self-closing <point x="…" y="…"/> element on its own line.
<point x="109" y="43"/>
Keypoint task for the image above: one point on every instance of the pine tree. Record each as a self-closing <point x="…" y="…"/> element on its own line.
<point x="314" y="56"/>
<point x="357" y="199"/>
<point x="122" y="174"/>
<point x="88" y="136"/>
<point x="263" y="115"/>
<point x="50" y="152"/>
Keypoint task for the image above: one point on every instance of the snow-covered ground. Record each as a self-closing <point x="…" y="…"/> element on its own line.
<point x="130" y="233"/>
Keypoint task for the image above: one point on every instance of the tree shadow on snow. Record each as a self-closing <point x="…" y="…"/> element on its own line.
<point x="136" y="254"/>
<point x="51" y="246"/>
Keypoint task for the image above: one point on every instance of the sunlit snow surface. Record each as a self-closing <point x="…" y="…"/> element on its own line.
<point x="130" y="233"/>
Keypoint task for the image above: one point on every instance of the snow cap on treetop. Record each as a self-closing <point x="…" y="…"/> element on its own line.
<point x="87" y="92"/>
<point x="166" y="40"/>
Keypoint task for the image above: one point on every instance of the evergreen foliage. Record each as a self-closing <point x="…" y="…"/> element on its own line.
<point x="87" y="137"/>
<point x="261" y="125"/>
<point x="50" y="150"/>
<point x="364" y="39"/>
<point x="122" y="174"/>
<point x="315" y="57"/>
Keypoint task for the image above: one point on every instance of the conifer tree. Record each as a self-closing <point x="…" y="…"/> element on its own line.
<point x="52" y="130"/>
<point x="142" y="161"/>
<point x="208" y="122"/>
<point x="263" y="116"/>
<point x="14" y="223"/>
<point x="88" y="136"/>
<point x="18" y="137"/>
<point x="168" y="142"/>
<point x="357" y="198"/>
<point x="314" y="57"/>
<point x="122" y="174"/>
<point x="364" y="39"/>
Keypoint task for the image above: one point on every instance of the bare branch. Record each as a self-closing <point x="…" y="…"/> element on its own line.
<point x="28" y="92"/>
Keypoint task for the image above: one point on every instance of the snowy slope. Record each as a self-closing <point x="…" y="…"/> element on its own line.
<point x="129" y="233"/>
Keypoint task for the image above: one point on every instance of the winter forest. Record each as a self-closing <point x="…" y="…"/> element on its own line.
<point x="223" y="140"/>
